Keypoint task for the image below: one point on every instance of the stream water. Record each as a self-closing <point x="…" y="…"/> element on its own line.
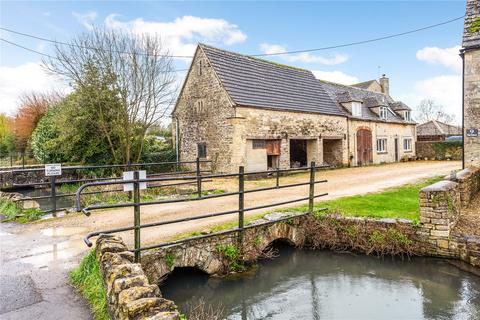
<point x="307" y="284"/>
<point x="46" y="204"/>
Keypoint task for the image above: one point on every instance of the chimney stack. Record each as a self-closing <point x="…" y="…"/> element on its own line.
<point x="385" y="85"/>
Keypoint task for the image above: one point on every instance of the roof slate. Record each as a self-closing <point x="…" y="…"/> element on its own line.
<point x="471" y="38"/>
<point x="369" y="99"/>
<point x="364" y="85"/>
<point x="259" y="83"/>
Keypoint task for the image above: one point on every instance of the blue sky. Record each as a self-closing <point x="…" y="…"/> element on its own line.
<point x="420" y="65"/>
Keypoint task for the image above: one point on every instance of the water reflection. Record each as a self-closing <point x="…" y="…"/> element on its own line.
<point x="303" y="284"/>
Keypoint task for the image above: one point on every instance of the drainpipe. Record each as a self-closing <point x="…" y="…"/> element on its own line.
<point x="462" y="55"/>
<point x="348" y="142"/>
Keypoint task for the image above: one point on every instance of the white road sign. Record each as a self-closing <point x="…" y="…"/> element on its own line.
<point x="53" y="169"/>
<point x="128" y="175"/>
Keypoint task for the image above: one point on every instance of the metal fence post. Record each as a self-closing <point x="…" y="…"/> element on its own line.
<point x="199" y="179"/>
<point x="136" y="213"/>
<point x="23" y="160"/>
<point x="311" y="193"/>
<point x="241" y="200"/>
<point x="278" y="177"/>
<point x="54" y="195"/>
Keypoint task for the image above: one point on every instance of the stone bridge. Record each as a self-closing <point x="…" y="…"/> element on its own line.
<point x="215" y="254"/>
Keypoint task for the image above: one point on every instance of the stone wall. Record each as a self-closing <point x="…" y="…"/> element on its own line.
<point x="254" y="123"/>
<point x="10" y="177"/>
<point x="380" y="130"/>
<point x="438" y="150"/>
<point x="440" y="209"/>
<point x="129" y="293"/>
<point x="472" y="105"/>
<point x="204" y="112"/>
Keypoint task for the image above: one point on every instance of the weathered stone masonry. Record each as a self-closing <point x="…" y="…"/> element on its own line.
<point x="129" y="293"/>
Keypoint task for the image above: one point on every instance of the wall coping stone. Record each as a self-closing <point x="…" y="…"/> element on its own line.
<point x="440" y="186"/>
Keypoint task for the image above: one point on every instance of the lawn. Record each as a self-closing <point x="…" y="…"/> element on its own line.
<point x="398" y="202"/>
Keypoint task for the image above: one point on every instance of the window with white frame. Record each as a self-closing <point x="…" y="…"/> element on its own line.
<point x="357" y="109"/>
<point x="382" y="145"/>
<point x="407" y="144"/>
<point x="383" y="112"/>
<point x="408" y="116"/>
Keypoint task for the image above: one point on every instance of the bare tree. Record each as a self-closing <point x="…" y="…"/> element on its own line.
<point x="428" y="110"/>
<point x="137" y="68"/>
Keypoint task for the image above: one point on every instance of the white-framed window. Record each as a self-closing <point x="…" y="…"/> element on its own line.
<point x="383" y="112"/>
<point x="356" y="109"/>
<point x="407" y="144"/>
<point x="408" y="116"/>
<point x="382" y="145"/>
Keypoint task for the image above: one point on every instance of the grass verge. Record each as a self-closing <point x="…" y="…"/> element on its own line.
<point x="87" y="279"/>
<point x="13" y="212"/>
<point x="399" y="202"/>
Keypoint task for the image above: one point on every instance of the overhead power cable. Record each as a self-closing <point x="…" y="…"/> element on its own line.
<point x="52" y="57"/>
<point x="254" y="55"/>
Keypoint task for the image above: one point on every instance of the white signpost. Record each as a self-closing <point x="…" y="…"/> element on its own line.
<point x="53" y="169"/>
<point x="128" y="175"/>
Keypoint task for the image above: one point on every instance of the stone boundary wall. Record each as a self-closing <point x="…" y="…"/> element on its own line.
<point x="427" y="149"/>
<point x="440" y="208"/>
<point x="8" y="178"/>
<point x="129" y="293"/>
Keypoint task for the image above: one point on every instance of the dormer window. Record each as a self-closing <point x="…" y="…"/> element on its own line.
<point x="356" y="109"/>
<point x="383" y="113"/>
<point x="407" y="116"/>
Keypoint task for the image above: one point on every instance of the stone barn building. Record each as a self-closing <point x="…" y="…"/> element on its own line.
<point x="435" y="130"/>
<point x="239" y="110"/>
<point x="471" y="84"/>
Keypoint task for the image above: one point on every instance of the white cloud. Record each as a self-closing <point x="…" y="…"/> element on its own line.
<point x="448" y="57"/>
<point x="181" y="35"/>
<point x="307" y="57"/>
<point x="24" y="78"/>
<point x="86" y="19"/>
<point x="335" y="76"/>
<point x="445" y="90"/>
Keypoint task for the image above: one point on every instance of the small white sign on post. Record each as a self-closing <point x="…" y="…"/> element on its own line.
<point x="128" y="175"/>
<point x="53" y="169"/>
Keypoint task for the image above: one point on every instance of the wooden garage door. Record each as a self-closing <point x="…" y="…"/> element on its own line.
<point x="364" y="147"/>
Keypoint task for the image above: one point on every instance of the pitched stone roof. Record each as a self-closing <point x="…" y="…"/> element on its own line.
<point x="343" y="93"/>
<point x="471" y="31"/>
<point x="259" y="83"/>
<point x="437" y="128"/>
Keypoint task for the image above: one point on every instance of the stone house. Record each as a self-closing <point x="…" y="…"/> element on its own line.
<point x="470" y="54"/>
<point x="239" y="110"/>
<point x="434" y="130"/>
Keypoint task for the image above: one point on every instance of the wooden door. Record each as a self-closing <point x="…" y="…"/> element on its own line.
<point x="364" y="147"/>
